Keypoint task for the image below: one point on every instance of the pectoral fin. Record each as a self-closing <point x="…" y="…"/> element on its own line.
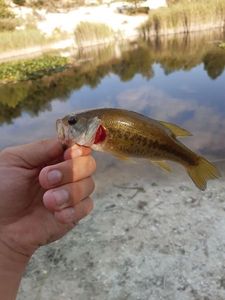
<point x="176" y="130"/>
<point x="163" y="165"/>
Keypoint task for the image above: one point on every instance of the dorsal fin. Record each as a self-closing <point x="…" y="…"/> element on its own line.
<point x="176" y="130"/>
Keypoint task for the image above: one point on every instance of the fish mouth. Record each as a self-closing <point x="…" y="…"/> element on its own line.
<point x="80" y="136"/>
<point x="60" y="130"/>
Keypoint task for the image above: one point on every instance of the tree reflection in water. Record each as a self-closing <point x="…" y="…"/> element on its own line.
<point x="173" y="54"/>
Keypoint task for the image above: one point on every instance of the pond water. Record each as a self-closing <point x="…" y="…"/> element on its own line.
<point x="180" y="79"/>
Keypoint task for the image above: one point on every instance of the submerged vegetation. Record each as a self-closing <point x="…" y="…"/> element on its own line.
<point x="92" y="32"/>
<point x="185" y="16"/>
<point x="32" y="69"/>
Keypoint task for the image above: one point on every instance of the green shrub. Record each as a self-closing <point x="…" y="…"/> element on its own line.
<point x="134" y="10"/>
<point x="8" y="24"/>
<point x="4" y="11"/>
<point x="19" y="2"/>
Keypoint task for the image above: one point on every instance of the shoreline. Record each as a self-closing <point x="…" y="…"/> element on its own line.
<point x="69" y="44"/>
<point x="126" y="28"/>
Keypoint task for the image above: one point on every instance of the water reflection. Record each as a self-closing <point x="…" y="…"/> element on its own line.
<point x="179" y="80"/>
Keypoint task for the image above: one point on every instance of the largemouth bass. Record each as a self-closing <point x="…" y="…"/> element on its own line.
<point x="129" y="134"/>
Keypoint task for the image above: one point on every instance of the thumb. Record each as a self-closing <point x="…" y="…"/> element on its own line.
<point x="39" y="153"/>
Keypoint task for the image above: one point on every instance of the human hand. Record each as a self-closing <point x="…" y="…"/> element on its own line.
<point x="44" y="193"/>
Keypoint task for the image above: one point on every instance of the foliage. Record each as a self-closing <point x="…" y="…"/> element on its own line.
<point x="32" y="69"/>
<point x="54" y="5"/>
<point x="4" y="11"/>
<point x="185" y="16"/>
<point x="8" y="24"/>
<point x="135" y="3"/>
<point x="19" y="2"/>
<point x="88" y="31"/>
<point x="134" y="10"/>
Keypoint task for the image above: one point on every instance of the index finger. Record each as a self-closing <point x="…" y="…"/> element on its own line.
<point x="76" y="151"/>
<point x="67" y="171"/>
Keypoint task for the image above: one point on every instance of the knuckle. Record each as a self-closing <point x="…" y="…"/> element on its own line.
<point x="78" y="191"/>
<point x="91" y="164"/>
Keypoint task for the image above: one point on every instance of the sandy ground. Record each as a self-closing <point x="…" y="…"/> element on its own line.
<point x="125" y="27"/>
<point x="67" y="21"/>
<point x="151" y="236"/>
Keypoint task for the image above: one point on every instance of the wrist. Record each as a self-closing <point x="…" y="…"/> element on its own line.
<point x="12" y="260"/>
<point x="12" y="267"/>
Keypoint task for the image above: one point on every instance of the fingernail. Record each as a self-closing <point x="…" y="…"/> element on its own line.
<point x="54" y="177"/>
<point x="61" y="197"/>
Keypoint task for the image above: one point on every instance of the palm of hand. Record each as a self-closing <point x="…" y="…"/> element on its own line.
<point x="24" y="220"/>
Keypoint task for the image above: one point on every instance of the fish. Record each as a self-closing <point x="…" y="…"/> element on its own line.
<point x="128" y="134"/>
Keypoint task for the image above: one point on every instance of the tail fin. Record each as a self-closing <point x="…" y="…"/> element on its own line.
<point x="202" y="172"/>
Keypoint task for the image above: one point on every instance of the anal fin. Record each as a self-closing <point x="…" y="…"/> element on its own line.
<point x="163" y="165"/>
<point x="122" y="157"/>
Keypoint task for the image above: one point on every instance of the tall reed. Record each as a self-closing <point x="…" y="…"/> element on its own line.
<point x="88" y="32"/>
<point x="185" y="16"/>
<point x="18" y="39"/>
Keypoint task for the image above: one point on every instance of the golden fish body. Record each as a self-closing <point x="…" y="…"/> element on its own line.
<point x="129" y="134"/>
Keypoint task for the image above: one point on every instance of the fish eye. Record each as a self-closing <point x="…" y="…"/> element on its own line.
<point x="72" y="120"/>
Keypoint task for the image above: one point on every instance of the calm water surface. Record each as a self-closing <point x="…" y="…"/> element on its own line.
<point x="180" y="80"/>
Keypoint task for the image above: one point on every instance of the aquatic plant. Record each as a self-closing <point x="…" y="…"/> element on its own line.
<point x="32" y="68"/>
<point x="92" y="32"/>
<point x="185" y="16"/>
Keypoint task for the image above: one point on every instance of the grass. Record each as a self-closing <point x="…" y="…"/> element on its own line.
<point x="92" y="32"/>
<point x="19" y="39"/>
<point x="185" y="16"/>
